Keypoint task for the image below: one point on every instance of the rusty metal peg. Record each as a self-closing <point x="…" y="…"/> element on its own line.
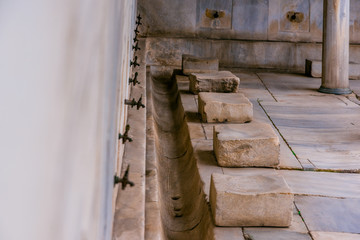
<point x="134" y="63"/>
<point x="125" y="137"/>
<point x="136" y="47"/>
<point x="124" y="180"/>
<point x="134" y="80"/>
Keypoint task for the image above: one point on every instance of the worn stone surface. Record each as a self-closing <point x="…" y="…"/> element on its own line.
<point x="313" y="68"/>
<point x="193" y="64"/>
<point x="329" y="214"/>
<point x="257" y="200"/>
<point x="325" y="184"/>
<point x="297" y="231"/>
<point x="252" y="144"/>
<point x="206" y="162"/>
<point x="222" y="81"/>
<point x="228" y="233"/>
<point x="225" y="107"/>
<point x="334" y="236"/>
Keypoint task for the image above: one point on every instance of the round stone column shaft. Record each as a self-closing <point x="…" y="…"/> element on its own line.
<point x="335" y="50"/>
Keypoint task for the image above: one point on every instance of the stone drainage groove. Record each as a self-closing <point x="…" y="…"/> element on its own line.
<point x="184" y="210"/>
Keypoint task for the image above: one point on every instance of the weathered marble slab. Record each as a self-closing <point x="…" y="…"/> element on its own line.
<point x="251" y="200"/>
<point x="334" y="236"/>
<point x="323" y="183"/>
<point x="225" y="107"/>
<point x="224" y="233"/>
<point x="330" y="214"/>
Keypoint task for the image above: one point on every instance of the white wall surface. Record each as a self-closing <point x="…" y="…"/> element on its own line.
<point x="64" y="67"/>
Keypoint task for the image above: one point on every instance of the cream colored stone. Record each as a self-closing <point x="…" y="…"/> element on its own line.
<point x="255" y="200"/>
<point x="252" y="144"/>
<point x="225" y="107"/>
<point x="222" y="81"/>
<point x="192" y="64"/>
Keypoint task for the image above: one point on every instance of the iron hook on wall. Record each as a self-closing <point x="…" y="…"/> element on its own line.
<point x="133" y="103"/>
<point x="134" y="63"/>
<point x="136" y="47"/>
<point x="124" y="180"/>
<point x="125" y="137"/>
<point x="134" y="80"/>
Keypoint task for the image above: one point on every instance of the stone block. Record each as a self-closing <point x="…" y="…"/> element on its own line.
<point x="225" y="107"/>
<point x="222" y="81"/>
<point x="251" y="200"/>
<point x="192" y="64"/>
<point x="313" y="68"/>
<point x="252" y="144"/>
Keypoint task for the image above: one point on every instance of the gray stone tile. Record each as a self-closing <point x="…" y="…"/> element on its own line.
<point x="206" y="162"/>
<point x="296" y="231"/>
<point x="278" y="234"/>
<point x="228" y="233"/>
<point x="323" y="183"/>
<point x="326" y="133"/>
<point x="196" y="131"/>
<point x="329" y="214"/>
<point x="334" y="236"/>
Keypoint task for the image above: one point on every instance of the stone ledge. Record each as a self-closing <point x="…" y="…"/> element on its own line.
<point x="313" y="68"/>
<point x="251" y="200"/>
<point x="225" y="107"/>
<point x="193" y="64"/>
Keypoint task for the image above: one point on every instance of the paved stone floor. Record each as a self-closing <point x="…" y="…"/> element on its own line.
<point x="319" y="156"/>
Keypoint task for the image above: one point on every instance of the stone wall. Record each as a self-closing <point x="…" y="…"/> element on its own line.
<point x="260" y="33"/>
<point x="64" y="68"/>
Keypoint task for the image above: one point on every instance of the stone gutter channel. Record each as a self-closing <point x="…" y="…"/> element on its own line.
<point x="183" y="208"/>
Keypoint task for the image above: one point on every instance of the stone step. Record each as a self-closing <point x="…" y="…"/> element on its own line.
<point x="222" y="81"/>
<point x="225" y="107"/>
<point x="251" y="200"/>
<point x="252" y="144"/>
<point x="313" y="68"/>
<point x="193" y="64"/>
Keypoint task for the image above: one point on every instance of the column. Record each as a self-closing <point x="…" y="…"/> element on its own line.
<point x="335" y="50"/>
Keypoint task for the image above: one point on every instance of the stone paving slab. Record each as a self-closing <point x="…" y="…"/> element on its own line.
<point x="206" y="162"/>
<point x="278" y="234"/>
<point x="296" y="231"/>
<point x="330" y="214"/>
<point x="283" y="85"/>
<point x="228" y="233"/>
<point x="326" y="136"/>
<point x="323" y="183"/>
<point x="334" y="236"/>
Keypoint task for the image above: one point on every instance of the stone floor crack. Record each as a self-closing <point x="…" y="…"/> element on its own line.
<point x="297" y="209"/>
<point x="259" y="102"/>
<point x="266" y="87"/>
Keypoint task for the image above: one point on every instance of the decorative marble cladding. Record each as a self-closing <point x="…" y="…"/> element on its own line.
<point x="275" y="20"/>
